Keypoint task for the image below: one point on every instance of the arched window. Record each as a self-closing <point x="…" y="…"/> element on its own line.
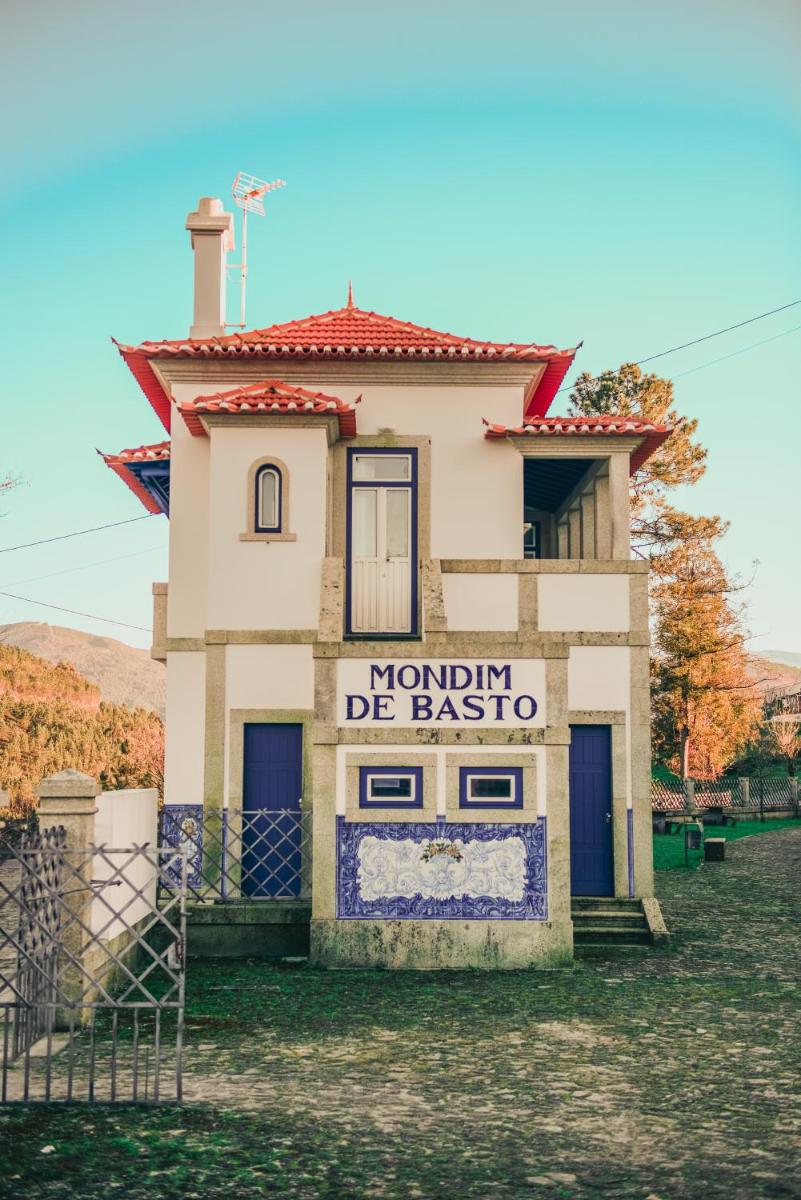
<point x="268" y="500"/>
<point x="268" y="503"/>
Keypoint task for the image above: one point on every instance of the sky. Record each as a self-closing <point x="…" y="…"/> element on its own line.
<point x="620" y="173"/>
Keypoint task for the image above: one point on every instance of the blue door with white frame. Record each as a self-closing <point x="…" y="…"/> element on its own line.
<point x="271" y="832"/>
<point x="591" y="861"/>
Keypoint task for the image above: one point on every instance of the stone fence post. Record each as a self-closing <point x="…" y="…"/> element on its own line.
<point x="70" y="799"/>
<point x="745" y="789"/>
<point x="793" y="783"/>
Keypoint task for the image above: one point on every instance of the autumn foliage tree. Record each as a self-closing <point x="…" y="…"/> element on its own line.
<point x="785" y="730"/>
<point x="705" y="706"/>
<point x="52" y="718"/>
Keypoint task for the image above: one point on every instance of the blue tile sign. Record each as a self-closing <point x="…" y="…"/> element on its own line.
<point x="442" y="870"/>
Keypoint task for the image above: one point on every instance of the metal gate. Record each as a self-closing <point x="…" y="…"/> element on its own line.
<point x="91" y="971"/>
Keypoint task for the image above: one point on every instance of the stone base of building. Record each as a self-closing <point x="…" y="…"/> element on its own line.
<point x="442" y="945"/>
<point x="273" y="930"/>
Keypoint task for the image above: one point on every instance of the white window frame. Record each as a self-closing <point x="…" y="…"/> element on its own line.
<point x="370" y="774"/>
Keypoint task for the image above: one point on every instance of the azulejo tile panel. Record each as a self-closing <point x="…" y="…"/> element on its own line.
<point x="442" y="870"/>
<point x="181" y="826"/>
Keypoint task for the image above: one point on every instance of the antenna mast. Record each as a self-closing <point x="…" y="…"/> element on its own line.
<point x="248" y="193"/>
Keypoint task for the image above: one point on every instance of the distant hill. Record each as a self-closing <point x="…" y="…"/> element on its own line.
<point x="775" y="670"/>
<point x="51" y="719"/>
<point x="786" y="657"/>
<point x="124" y="674"/>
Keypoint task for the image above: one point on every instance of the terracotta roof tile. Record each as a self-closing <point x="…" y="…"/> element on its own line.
<point x="351" y="333"/>
<point x="270" y="397"/>
<point x="653" y="435"/>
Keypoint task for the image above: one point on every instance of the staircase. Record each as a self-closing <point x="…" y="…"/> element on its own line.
<point x="610" y="921"/>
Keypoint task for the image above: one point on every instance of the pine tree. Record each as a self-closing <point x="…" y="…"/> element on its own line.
<point x="705" y="706"/>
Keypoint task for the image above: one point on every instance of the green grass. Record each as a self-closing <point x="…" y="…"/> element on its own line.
<point x="669" y="848"/>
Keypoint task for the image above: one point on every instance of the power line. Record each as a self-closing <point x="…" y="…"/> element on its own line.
<point x="696" y="341"/>
<point x="86" y="566"/>
<point x="734" y="353"/>
<point x="75" y="612"/>
<point x="717" y="333"/>
<point x="76" y="533"/>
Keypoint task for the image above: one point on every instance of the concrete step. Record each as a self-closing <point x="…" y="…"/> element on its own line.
<point x="619" y="903"/>
<point x="596" y="935"/>
<point x="610" y="920"/>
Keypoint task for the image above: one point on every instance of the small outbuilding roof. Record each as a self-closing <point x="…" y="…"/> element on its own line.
<point x="652" y="434"/>
<point x="270" y="397"/>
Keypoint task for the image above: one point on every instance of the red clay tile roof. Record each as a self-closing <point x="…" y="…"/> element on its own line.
<point x="118" y="463"/>
<point x="653" y="435"/>
<point x="350" y="333"/>
<point x="270" y="396"/>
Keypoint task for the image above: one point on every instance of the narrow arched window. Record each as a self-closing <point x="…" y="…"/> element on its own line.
<point x="268" y="500"/>
<point x="268" y="503"/>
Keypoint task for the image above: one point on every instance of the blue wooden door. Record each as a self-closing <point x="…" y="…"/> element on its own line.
<point x="271" y="835"/>
<point x="591" y="863"/>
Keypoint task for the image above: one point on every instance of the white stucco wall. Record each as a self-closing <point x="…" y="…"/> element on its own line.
<point x="485" y="602"/>
<point x="589" y="603"/>
<point x="599" y="677"/>
<point x="270" y="677"/>
<point x="186" y="722"/>
<point x="218" y="582"/>
<point x="476" y="485"/>
<point x="189" y="532"/>
<point x="256" y="584"/>
<point x="125" y="819"/>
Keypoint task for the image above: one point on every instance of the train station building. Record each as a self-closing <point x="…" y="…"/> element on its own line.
<point x="402" y="613"/>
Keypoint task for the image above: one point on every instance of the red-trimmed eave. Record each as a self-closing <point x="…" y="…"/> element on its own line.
<point x="320" y="337"/>
<point x="138" y="364"/>
<point x="133" y="483"/>
<point x="538" y="403"/>
<point x="118" y="463"/>
<point x="269" y="397"/>
<point x="652" y="435"/>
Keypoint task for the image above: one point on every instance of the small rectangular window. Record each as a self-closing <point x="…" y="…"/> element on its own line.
<point x="390" y="787"/>
<point x="490" y="787"/>
<point x="392" y="467"/>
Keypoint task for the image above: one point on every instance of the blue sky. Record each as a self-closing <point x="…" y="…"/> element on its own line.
<point x="622" y="173"/>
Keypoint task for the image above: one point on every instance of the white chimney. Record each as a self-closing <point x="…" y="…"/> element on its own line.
<point x="212" y="230"/>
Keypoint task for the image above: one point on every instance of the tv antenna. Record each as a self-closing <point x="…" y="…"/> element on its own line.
<point x="248" y="193"/>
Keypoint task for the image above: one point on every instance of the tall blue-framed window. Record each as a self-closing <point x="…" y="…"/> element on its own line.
<point x="268" y="499"/>
<point x="381" y="579"/>
<point x="390" y="787"/>
<point x="490" y="787"/>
